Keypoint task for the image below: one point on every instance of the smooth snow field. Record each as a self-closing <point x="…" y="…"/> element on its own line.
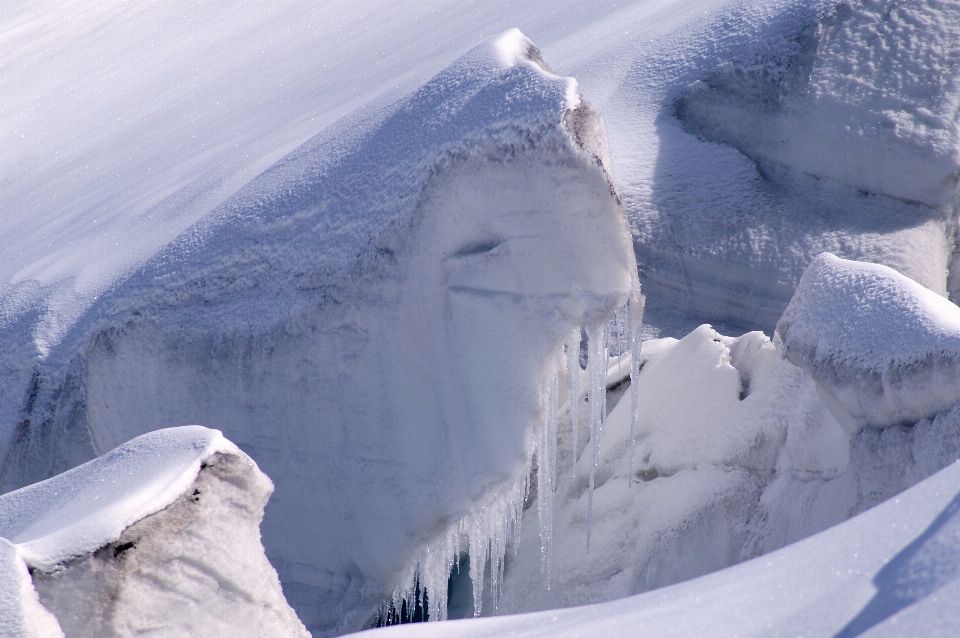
<point x="639" y="315"/>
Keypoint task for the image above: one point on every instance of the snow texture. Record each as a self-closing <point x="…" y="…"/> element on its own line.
<point x="883" y="349"/>
<point x="373" y="319"/>
<point x="801" y="128"/>
<point x="892" y="571"/>
<point x="160" y="534"/>
<point x="21" y="614"/>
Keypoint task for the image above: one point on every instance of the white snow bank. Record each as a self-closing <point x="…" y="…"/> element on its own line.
<point x="21" y="614"/>
<point x="838" y="133"/>
<point x="83" y="509"/>
<point x="160" y="533"/>
<point x="373" y="319"/>
<point x="882" y="348"/>
<point x="719" y="418"/>
<point x="868" y="97"/>
<point x="736" y="456"/>
<point x="891" y="571"/>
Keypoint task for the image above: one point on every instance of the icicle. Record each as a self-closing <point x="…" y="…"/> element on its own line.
<point x="547" y="470"/>
<point x="597" y="374"/>
<point x="573" y="390"/>
<point x="635" y="314"/>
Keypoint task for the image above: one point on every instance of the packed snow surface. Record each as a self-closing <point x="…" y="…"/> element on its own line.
<point x="891" y="571"/>
<point x="882" y="348"/>
<point x="21" y="614"/>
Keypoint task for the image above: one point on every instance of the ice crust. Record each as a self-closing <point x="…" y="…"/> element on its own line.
<point x="375" y="320"/>
<point x="160" y="534"/>
<point x="883" y="349"/>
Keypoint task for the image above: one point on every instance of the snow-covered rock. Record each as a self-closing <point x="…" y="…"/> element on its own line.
<point x="159" y="534"/>
<point x="882" y="348"/>
<point x="372" y="320"/>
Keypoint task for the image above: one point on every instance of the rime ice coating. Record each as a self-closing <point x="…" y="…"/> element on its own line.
<point x="882" y="348"/>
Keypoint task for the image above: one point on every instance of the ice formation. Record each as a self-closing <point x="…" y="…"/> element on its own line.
<point x="882" y="348"/>
<point x="892" y="571"/>
<point x="375" y="319"/>
<point x="161" y="533"/>
<point x="737" y="453"/>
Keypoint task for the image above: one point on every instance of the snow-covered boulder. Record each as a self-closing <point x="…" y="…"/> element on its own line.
<point x="372" y="320"/>
<point x="882" y="349"/>
<point x="161" y="535"/>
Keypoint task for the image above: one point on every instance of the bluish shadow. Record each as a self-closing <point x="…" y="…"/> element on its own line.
<point x="921" y="568"/>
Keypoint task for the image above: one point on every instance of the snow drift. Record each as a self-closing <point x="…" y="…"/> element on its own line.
<point x="374" y="320"/>
<point x="160" y="534"/>
<point x="869" y="97"/>
<point x="790" y="129"/>
<point x="882" y="348"/>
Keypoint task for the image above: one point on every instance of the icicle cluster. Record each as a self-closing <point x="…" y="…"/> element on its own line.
<point x="484" y="535"/>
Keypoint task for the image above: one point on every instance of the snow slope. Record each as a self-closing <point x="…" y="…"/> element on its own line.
<point x="891" y="571"/>
<point x="161" y="533"/>
<point x="108" y="158"/>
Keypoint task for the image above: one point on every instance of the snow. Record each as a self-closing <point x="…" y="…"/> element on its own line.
<point x="357" y="245"/>
<point x="21" y="614"/>
<point x="160" y="533"/>
<point x="80" y="511"/>
<point x="891" y="571"/>
<point x="377" y="314"/>
<point x="883" y="349"/>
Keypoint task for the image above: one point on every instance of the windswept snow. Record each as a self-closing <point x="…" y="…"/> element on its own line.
<point x="882" y="348"/>
<point x="160" y="534"/>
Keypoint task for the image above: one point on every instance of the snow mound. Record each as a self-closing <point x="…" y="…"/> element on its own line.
<point x="891" y="571"/>
<point x="882" y="348"/>
<point x="160" y="533"/>
<point x="374" y="320"/>
<point x="869" y="97"/>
